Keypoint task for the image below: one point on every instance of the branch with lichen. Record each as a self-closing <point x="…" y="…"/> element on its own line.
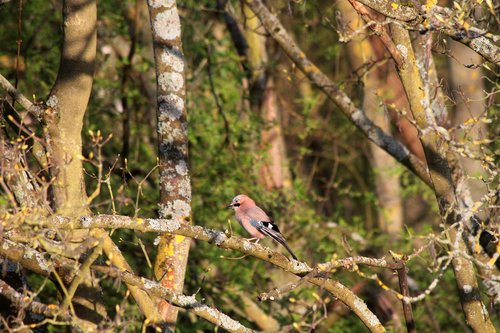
<point x="189" y="303"/>
<point x="109" y="247"/>
<point x="38" y="263"/>
<point x="442" y="166"/>
<point x="225" y="241"/>
<point x="337" y="95"/>
<point x="441" y="19"/>
<point x="317" y="275"/>
<point x="22" y="301"/>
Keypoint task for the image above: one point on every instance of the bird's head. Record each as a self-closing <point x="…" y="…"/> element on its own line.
<point x="240" y="200"/>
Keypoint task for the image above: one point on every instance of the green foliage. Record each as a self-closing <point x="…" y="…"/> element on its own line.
<point x="329" y="210"/>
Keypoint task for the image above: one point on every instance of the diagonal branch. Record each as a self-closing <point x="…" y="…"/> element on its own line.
<point x="35" y="261"/>
<point x="189" y="303"/>
<point x="380" y="30"/>
<point x="356" y="304"/>
<point x="443" y="19"/>
<point x="21" y="301"/>
<point x="20" y="98"/>
<point x="338" y="96"/>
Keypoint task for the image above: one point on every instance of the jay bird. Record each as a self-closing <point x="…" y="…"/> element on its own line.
<point x="256" y="221"/>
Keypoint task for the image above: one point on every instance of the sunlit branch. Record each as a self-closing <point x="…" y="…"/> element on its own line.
<point x="443" y="19"/>
<point x="224" y="241"/>
<point x="39" y="263"/>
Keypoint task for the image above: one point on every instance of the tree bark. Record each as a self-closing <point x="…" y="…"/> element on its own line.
<point x="441" y="162"/>
<point x="390" y="209"/>
<point x="175" y="186"/>
<point x="67" y="104"/>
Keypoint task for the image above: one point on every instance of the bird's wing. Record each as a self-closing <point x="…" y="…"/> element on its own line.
<point x="264" y="224"/>
<point x="270" y="229"/>
<point x="257" y="214"/>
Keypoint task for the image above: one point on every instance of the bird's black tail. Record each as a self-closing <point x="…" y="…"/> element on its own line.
<point x="280" y="239"/>
<point x="289" y="250"/>
<point x="270" y="229"/>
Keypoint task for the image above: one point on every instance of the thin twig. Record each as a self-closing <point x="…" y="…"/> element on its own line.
<point x="279" y="292"/>
<point x="380" y="30"/>
<point x="407" y="310"/>
<point x="79" y="277"/>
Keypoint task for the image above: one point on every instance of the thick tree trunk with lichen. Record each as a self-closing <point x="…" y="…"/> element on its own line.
<point x="175" y="190"/>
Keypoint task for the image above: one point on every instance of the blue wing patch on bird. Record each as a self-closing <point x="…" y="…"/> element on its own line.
<point x="256" y="224"/>
<point x="264" y="224"/>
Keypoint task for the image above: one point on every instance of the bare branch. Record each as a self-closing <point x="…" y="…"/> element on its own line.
<point x="443" y="19"/>
<point x="224" y="241"/>
<point x="23" y="301"/>
<point x="338" y="96"/>
<point x="380" y="30"/>
<point x="407" y="310"/>
<point x="189" y="303"/>
<point x="20" y="98"/>
<point x="32" y="260"/>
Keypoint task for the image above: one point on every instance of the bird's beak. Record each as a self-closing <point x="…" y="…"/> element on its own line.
<point x="230" y="206"/>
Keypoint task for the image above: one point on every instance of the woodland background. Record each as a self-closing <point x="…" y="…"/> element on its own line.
<point x="241" y="110"/>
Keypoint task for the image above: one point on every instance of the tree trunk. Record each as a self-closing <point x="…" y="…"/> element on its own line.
<point x="67" y="104"/>
<point x="274" y="173"/>
<point x="175" y="186"/>
<point x="470" y="102"/>
<point x="441" y="162"/>
<point x="64" y="122"/>
<point x="390" y="209"/>
<point x="68" y="101"/>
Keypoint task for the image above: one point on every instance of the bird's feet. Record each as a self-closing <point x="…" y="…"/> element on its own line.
<point x="255" y="239"/>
